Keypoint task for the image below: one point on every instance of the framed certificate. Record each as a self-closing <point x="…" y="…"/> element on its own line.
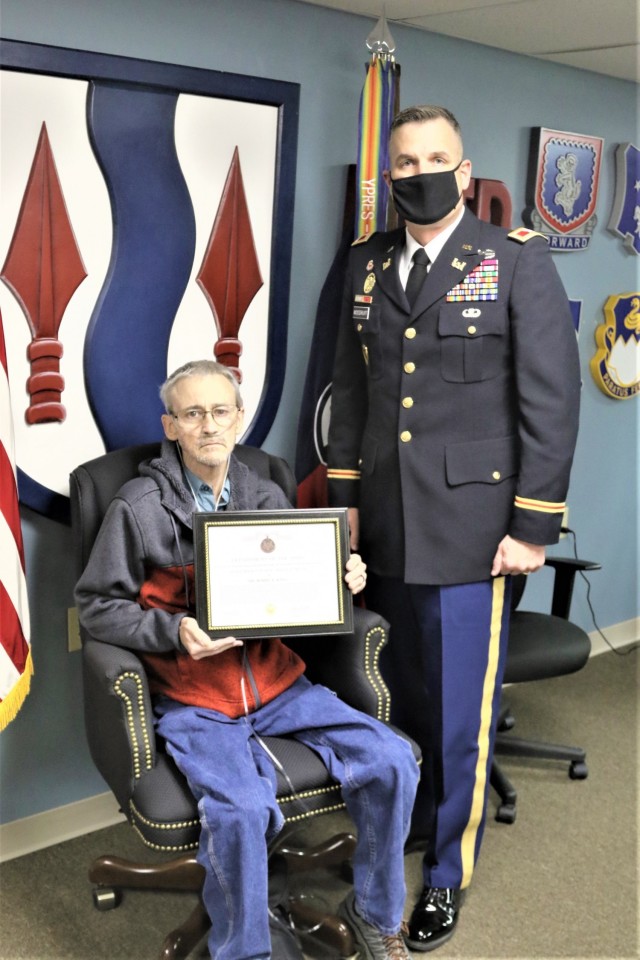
<point x="272" y="573"/>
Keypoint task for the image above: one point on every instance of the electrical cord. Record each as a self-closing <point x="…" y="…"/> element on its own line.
<point x="618" y="653"/>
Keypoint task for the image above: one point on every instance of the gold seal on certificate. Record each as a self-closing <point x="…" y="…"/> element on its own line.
<point x="272" y="573"/>
<point x="267" y="545"/>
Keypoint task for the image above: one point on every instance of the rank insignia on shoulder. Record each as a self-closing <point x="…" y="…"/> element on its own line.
<point x="362" y="239"/>
<point x="521" y="234"/>
<point x="386" y="264"/>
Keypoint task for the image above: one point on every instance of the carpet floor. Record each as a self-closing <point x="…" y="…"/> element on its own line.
<point x="561" y="882"/>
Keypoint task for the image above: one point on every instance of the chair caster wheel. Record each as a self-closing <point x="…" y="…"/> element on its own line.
<point x="506" y="813"/>
<point x="105" y="898"/>
<point x="578" y="770"/>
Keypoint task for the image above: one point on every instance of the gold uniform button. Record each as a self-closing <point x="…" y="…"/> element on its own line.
<point x="407" y="402"/>
<point x="496" y="474"/>
<point x="472" y="329"/>
<point x="405" y="436"/>
<point x="409" y="367"/>
<point x="410" y="333"/>
<point x="359" y="327"/>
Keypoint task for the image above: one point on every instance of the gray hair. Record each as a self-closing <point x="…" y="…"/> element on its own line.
<point x="422" y="113"/>
<point x="198" y="368"/>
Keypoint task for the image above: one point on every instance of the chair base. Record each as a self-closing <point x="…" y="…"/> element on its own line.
<point x="517" y="747"/>
<point x="180" y="942"/>
<point x="112" y="875"/>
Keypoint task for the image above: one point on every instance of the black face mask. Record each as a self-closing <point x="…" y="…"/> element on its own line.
<point x="427" y="197"/>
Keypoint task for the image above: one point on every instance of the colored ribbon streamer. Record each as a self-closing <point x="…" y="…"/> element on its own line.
<point x="378" y="105"/>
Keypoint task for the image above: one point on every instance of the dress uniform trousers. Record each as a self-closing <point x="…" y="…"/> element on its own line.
<point x="444" y="665"/>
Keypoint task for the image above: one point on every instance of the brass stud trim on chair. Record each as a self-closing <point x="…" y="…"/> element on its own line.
<point x="372" y="657"/>
<point x="304" y="794"/>
<point x="134" y="733"/>
<point x="175" y="848"/>
<point x="159" y="825"/>
<point x="315" y="813"/>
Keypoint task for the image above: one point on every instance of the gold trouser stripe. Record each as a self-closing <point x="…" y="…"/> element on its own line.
<point x="468" y="843"/>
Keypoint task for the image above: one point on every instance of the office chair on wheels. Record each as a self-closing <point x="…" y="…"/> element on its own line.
<point x="541" y="645"/>
<point x="152" y="793"/>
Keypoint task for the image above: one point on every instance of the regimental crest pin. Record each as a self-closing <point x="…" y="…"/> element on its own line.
<point x="564" y="173"/>
<point x="625" y="216"/>
<point x="370" y="283"/>
<point x="616" y="365"/>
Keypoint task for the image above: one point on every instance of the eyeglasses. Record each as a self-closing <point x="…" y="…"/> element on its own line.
<point x="221" y="414"/>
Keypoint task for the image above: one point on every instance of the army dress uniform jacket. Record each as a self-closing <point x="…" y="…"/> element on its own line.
<point x="453" y="423"/>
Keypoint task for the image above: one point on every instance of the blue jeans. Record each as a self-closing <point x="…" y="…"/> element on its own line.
<point x="234" y="783"/>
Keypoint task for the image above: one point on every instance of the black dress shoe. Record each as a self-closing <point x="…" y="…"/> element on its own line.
<point x="434" y="918"/>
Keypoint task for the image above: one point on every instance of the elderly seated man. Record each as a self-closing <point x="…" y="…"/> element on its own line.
<point x="214" y="699"/>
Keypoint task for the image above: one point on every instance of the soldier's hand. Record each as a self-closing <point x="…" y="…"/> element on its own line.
<point x="516" y="556"/>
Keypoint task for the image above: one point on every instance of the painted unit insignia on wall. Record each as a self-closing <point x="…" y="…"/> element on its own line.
<point x="616" y="365"/>
<point x="625" y="216"/>
<point x="126" y="221"/>
<point x="564" y="171"/>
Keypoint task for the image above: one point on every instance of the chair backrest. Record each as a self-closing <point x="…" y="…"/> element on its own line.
<point x="94" y="484"/>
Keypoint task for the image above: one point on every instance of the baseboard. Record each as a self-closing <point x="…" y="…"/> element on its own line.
<point x="618" y="635"/>
<point x="29" y="834"/>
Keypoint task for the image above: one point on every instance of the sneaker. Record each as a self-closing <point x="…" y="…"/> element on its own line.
<point x="372" y="945"/>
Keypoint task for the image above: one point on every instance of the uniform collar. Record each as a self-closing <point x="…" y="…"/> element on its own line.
<point x="433" y="248"/>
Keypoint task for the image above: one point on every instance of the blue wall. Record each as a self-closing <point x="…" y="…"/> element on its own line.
<point x="497" y="97"/>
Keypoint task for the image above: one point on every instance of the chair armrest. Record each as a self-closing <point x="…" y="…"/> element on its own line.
<point x="565" y="570"/>
<point x="348" y="663"/>
<point x="118" y="716"/>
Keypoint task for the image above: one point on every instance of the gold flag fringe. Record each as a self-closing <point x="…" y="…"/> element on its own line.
<point x="16" y="697"/>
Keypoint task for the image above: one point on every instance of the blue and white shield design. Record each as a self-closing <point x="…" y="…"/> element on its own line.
<point x="565" y="188"/>
<point x="154" y="181"/>
<point x="625" y="216"/>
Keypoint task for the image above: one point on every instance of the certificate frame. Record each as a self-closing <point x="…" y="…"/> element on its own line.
<point x="272" y="573"/>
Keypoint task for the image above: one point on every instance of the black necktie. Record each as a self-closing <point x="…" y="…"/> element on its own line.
<point x="417" y="274"/>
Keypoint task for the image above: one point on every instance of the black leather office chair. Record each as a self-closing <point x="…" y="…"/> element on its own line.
<point x="152" y="793"/>
<point x="541" y="645"/>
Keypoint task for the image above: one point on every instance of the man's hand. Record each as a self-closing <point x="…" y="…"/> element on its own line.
<point x="515" y="556"/>
<point x="353" y="517"/>
<point x="356" y="575"/>
<point x="199" y="644"/>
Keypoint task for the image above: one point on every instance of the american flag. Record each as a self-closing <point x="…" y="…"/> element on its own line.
<point x="16" y="667"/>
